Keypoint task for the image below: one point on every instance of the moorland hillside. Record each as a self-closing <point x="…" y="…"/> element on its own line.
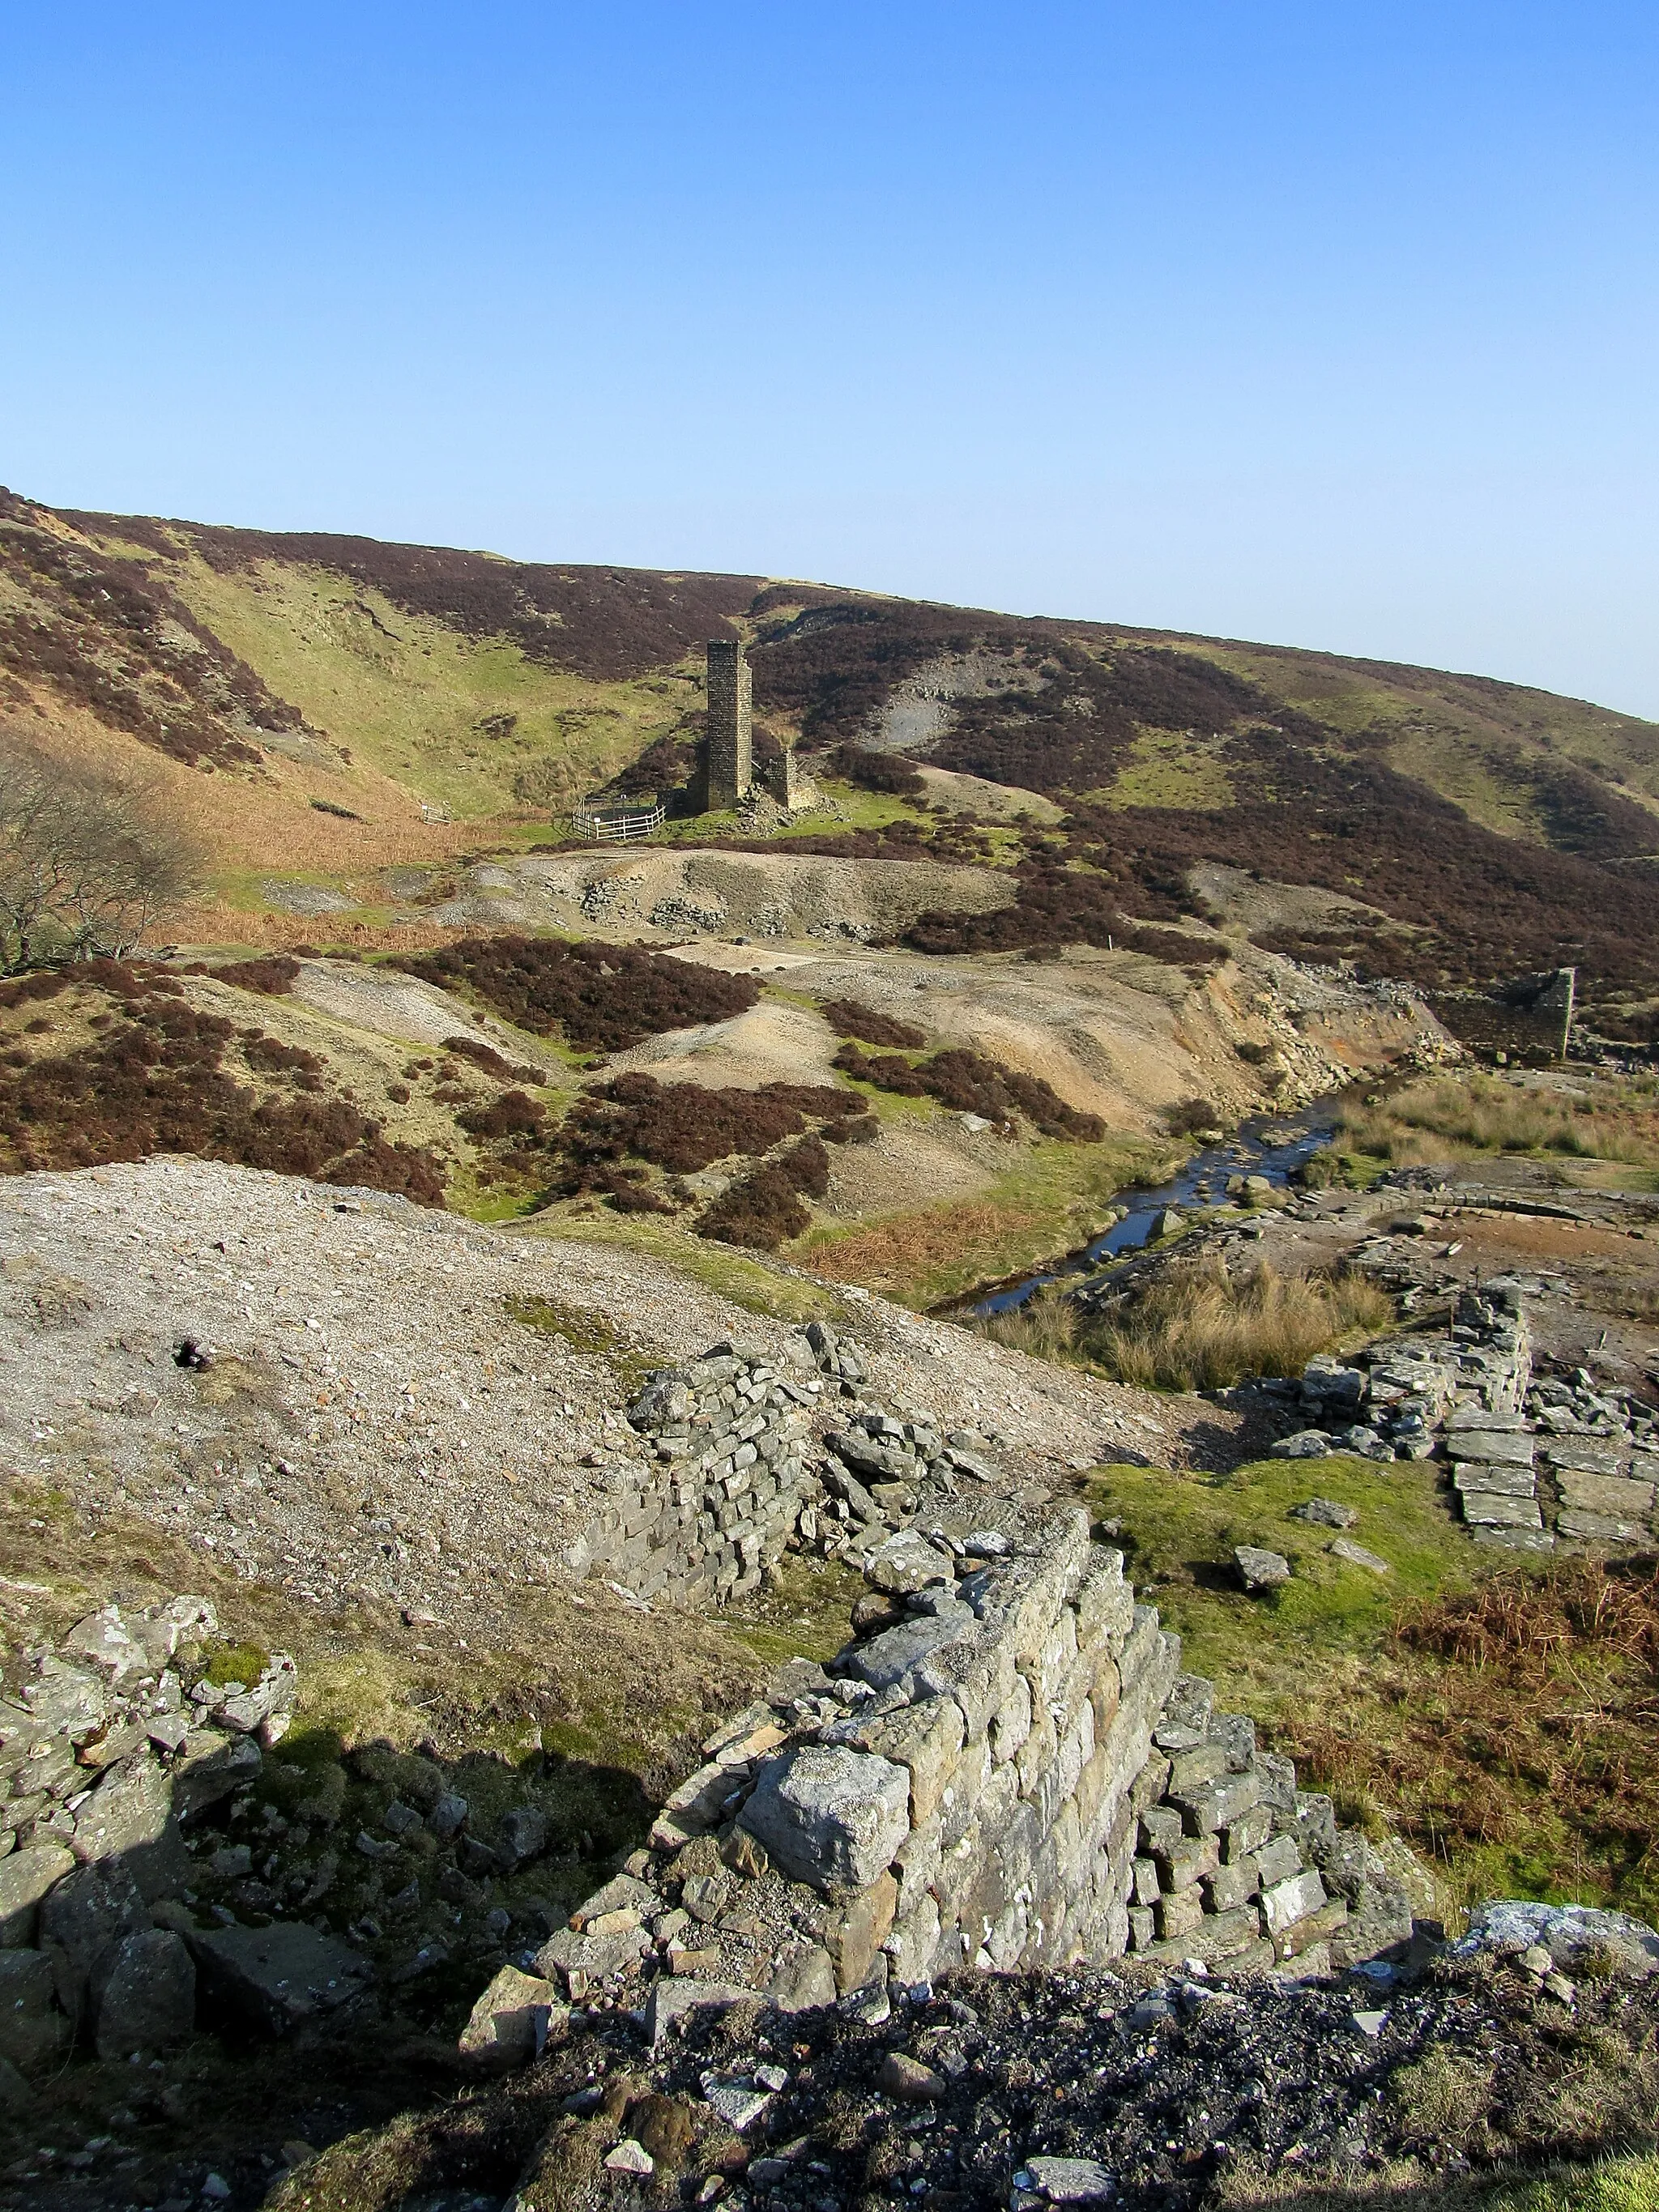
<point x="345" y="721"/>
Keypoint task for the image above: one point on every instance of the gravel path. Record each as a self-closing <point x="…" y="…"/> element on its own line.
<point x="371" y="1418"/>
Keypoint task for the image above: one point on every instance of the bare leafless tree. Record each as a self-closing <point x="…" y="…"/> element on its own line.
<point x="88" y="863"/>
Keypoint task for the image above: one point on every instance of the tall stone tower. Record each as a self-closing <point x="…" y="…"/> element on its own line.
<point x="730" y="745"/>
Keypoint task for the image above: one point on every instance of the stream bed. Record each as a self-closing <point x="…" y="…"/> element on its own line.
<point x="1271" y="1145"/>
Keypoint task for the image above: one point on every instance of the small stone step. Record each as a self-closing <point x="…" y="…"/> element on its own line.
<point x="1487" y="1509"/>
<point x="1495" y="1481"/>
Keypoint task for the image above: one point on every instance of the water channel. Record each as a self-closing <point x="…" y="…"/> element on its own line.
<point x="1271" y="1145"/>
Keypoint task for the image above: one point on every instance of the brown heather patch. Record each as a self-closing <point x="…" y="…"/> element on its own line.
<point x="969" y="1083"/>
<point x="849" y="1019"/>
<point x="147" y="1074"/>
<point x="607" y="996"/>
<point x="1511" y="1729"/>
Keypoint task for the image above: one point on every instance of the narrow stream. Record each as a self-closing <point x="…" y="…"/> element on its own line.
<point x="1271" y="1145"/>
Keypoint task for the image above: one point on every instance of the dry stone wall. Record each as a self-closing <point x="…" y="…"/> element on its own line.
<point x="752" y="1456"/>
<point x="1006" y="1768"/>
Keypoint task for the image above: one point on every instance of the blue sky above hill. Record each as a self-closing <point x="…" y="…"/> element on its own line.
<point x="1328" y="326"/>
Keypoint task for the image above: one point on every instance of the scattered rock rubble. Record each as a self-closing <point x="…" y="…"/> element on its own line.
<point x="1005" y="1769"/>
<point x="118" y="1740"/>
<point x="1137" y="2087"/>
<point x="1471" y="1393"/>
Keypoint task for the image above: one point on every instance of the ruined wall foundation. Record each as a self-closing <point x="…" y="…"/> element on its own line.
<point x="1005" y="1769"/>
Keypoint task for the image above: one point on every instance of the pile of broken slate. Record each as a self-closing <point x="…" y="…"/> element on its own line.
<point x="1138" y="2089"/>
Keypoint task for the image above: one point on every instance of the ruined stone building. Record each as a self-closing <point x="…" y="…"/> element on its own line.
<point x="730" y="772"/>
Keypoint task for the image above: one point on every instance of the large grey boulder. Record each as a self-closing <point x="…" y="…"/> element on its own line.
<point x="33" y="2030"/>
<point x="675" y="1996"/>
<point x="1326" y="1513"/>
<point x="210" y="1766"/>
<point x="583" y="1959"/>
<point x="906" y="1561"/>
<point x="25" y="1878"/>
<point x="129" y="1816"/>
<point x="888" y="1658"/>
<point x="510" y="2023"/>
<point x="1565" y="1931"/>
<point x="83" y="1917"/>
<point x="144" y="1995"/>
<point x="804" y="1978"/>
<point x="67" y="1700"/>
<point x="829" y="1815"/>
<point x="1260" y="1569"/>
<point x="273" y="1979"/>
<point x="1306" y="1444"/>
<point x="522" y="1836"/>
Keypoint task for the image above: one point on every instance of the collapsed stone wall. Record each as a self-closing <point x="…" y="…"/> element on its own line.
<point x="753" y="1455"/>
<point x="1469" y="1393"/>
<point x="1005" y="1769"/>
<point x="115" y="1738"/>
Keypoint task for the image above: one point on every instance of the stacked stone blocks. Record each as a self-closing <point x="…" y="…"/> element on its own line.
<point x="730" y="770"/>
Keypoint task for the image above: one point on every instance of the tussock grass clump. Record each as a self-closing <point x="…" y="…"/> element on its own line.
<point x="1619" y="2185"/>
<point x="1452" y="1117"/>
<point x="1201" y="1328"/>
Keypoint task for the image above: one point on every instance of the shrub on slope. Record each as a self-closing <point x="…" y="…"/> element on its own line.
<point x="152" y="1080"/>
<point x="607" y="996"/>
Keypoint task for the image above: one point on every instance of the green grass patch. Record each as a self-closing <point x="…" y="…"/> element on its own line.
<point x="805" y="1615"/>
<point x="1050" y="1200"/>
<point x="1498" y="1716"/>
<point x="746" y="1282"/>
<point x="235" y="1662"/>
<point x="1180" y="1530"/>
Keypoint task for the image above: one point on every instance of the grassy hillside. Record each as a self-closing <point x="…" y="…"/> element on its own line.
<point x="1491" y="828"/>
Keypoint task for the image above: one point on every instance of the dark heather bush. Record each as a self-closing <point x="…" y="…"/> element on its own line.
<point x="486" y="1057"/>
<point x="970" y="1084"/>
<point x="857" y="1129"/>
<point x="274" y="977"/>
<point x="884" y="771"/>
<point x="807" y="1166"/>
<point x="762" y="1211"/>
<point x="1190" y="1115"/>
<point x="269" y="1054"/>
<point x="603" y="996"/>
<point x="152" y="1081"/>
<point x="514" y="1113"/>
<point x="850" y="1019"/>
<point x="885" y="1070"/>
<point x="678" y="1127"/>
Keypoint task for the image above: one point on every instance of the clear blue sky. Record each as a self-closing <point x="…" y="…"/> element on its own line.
<point x="1330" y="324"/>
